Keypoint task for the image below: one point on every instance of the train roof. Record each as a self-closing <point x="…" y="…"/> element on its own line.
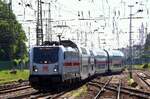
<point x="65" y="43"/>
<point x="70" y="49"/>
<point x="101" y="52"/>
<point x="68" y="43"/>
<point x="115" y="53"/>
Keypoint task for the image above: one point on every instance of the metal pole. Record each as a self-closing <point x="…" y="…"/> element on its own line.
<point x="39" y="25"/>
<point x="99" y="40"/>
<point x="59" y="37"/>
<point x="49" y="24"/>
<point x="130" y="42"/>
<point x="29" y="37"/>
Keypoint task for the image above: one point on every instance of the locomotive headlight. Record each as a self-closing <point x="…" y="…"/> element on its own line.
<point x="35" y="69"/>
<point x="55" y="68"/>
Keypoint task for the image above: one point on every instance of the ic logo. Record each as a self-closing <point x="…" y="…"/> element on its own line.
<point x="45" y="68"/>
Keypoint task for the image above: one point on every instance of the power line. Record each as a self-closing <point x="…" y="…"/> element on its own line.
<point x="71" y="11"/>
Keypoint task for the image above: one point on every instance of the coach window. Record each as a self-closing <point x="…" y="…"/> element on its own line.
<point x="73" y="54"/>
<point x="64" y="55"/>
<point x="83" y="50"/>
<point x="91" y="53"/>
<point x="76" y="54"/>
<point x="70" y="54"/>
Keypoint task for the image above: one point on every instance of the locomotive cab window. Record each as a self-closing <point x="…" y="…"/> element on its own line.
<point x="91" y="53"/>
<point x="45" y="55"/>
<point x="83" y="50"/>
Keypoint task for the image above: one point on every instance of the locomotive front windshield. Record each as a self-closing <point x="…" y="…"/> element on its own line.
<point x="45" y="55"/>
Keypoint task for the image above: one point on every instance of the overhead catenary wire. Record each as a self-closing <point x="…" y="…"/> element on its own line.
<point x="72" y="12"/>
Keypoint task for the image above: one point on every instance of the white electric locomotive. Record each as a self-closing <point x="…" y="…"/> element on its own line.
<point x="57" y="63"/>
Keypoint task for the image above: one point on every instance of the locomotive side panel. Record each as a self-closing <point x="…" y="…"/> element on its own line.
<point x="71" y="64"/>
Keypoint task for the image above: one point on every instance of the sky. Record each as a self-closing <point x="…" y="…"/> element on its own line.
<point x="107" y="24"/>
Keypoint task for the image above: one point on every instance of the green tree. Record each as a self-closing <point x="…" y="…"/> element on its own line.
<point x="146" y="53"/>
<point x="147" y="43"/>
<point x="12" y="36"/>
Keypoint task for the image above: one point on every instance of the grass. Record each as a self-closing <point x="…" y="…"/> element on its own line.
<point x="6" y="76"/>
<point x="138" y="66"/>
<point x="79" y="92"/>
<point x="141" y="66"/>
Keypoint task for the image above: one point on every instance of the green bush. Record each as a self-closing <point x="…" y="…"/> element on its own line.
<point x="145" y="66"/>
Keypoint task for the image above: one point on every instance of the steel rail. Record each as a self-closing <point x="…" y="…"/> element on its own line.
<point x="125" y="90"/>
<point x="143" y="79"/>
<point x="119" y="89"/>
<point x="102" y="88"/>
<point x="12" y="86"/>
<point x="14" y="89"/>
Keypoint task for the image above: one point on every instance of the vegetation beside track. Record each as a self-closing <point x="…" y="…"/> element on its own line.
<point x="79" y="92"/>
<point x="142" y="66"/>
<point x="12" y="35"/>
<point x="12" y="72"/>
<point x="7" y="76"/>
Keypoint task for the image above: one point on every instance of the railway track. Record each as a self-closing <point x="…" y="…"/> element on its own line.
<point x="4" y="87"/>
<point x="147" y="75"/>
<point x="47" y="95"/>
<point x="42" y="95"/>
<point x="102" y="89"/>
<point x="120" y="90"/>
<point x="33" y="94"/>
<point x="27" y="92"/>
<point x="144" y="77"/>
<point x="15" y="89"/>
